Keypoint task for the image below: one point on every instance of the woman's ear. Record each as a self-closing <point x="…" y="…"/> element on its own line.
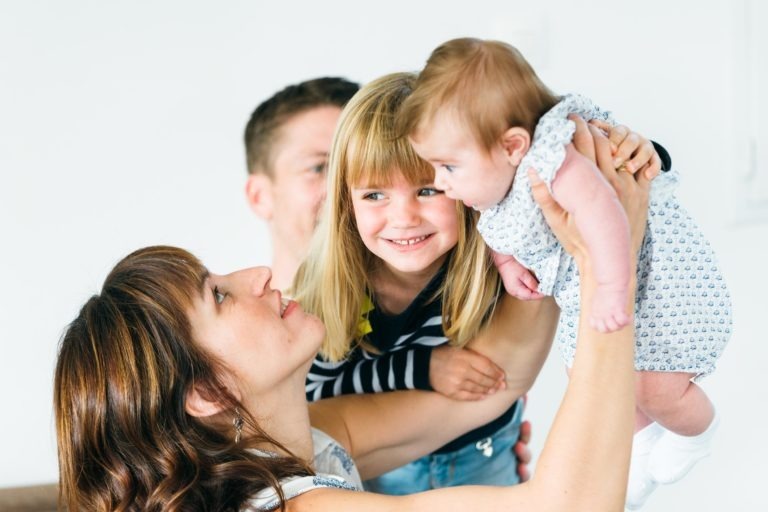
<point x="515" y="143"/>
<point x="198" y="406"/>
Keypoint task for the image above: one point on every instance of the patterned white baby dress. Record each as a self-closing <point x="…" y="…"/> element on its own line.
<point x="682" y="309"/>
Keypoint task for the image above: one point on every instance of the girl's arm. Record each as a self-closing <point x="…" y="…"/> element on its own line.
<point x="409" y="369"/>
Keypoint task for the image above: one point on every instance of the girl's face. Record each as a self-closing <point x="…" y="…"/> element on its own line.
<point x="410" y="227"/>
<point x="261" y="338"/>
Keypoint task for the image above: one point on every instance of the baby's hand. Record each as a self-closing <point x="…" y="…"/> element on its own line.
<point x="518" y="280"/>
<point x="609" y="311"/>
<point x="463" y="374"/>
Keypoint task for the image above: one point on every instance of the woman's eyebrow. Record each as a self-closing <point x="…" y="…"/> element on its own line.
<point x="203" y="280"/>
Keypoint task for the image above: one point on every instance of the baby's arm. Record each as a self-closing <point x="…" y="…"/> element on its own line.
<point x="518" y="280"/>
<point x="583" y="191"/>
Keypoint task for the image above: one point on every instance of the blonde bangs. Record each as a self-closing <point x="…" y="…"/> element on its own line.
<point x="375" y="162"/>
<point x="375" y="145"/>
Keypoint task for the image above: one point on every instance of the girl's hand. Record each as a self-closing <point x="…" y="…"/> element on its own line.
<point x="463" y="374"/>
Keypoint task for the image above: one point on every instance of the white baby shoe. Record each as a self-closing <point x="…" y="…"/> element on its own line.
<point x="641" y="484"/>
<point x="675" y="455"/>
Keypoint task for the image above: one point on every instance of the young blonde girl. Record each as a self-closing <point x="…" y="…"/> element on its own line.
<point x="442" y="287"/>
<point x="446" y="295"/>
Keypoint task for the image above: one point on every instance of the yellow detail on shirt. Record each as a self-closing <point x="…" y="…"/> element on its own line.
<point x="364" y="326"/>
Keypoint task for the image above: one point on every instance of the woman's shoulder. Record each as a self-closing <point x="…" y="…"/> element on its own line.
<point x="268" y="499"/>
<point x="332" y="459"/>
<point x="335" y="470"/>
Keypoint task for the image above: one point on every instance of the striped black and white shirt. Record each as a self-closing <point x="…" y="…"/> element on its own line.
<point x="405" y="343"/>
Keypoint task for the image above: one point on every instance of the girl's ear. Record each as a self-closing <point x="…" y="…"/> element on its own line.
<point x="198" y="406"/>
<point x="515" y="143"/>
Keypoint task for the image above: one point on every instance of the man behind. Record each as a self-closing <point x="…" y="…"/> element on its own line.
<point x="287" y="140"/>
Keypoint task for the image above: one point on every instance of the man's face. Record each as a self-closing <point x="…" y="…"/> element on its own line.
<point x="298" y="183"/>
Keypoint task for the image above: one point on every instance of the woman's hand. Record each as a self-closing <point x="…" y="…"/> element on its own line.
<point x="632" y="189"/>
<point x="628" y="149"/>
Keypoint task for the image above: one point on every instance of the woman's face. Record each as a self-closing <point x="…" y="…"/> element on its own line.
<point x="260" y="337"/>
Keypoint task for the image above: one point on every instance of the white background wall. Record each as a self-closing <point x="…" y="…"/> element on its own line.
<point x="121" y="123"/>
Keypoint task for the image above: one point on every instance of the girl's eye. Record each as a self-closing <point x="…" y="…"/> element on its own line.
<point x="374" y="196"/>
<point x="429" y="191"/>
<point x="448" y="168"/>
<point x="217" y="295"/>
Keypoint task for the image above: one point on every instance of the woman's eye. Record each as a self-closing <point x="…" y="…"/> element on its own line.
<point x="429" y="191"/>
<point x="448" y="168"/>
<point x="217" y="295"/>
<point x="374" y="196"/>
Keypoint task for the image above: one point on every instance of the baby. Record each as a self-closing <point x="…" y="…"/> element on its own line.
<point x="482" y="118"/>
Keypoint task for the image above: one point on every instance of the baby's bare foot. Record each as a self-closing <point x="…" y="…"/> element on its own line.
<point x="609" y="311"/>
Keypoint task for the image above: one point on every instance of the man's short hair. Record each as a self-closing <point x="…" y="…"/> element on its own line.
<point x="262" y="129"/>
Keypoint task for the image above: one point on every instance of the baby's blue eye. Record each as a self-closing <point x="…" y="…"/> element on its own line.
<point x="217" y="295"/>
<point x="374" y="196"/>
<point x="448" y="168"/>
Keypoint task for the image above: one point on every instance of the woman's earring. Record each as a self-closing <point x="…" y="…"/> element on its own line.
<point x="237" y="422"/>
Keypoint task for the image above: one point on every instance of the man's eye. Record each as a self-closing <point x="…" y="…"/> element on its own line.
<point x="374" y="196"/>
<point x="429" y="191"/>
<point x="217" y="295"/>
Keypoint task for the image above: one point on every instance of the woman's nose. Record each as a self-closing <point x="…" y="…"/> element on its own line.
<point x="259" y="279"/>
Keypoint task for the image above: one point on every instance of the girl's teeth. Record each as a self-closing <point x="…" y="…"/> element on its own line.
<point x="410" y="241"/>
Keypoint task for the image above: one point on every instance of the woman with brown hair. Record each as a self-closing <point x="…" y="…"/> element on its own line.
<point x="177" y="389"/>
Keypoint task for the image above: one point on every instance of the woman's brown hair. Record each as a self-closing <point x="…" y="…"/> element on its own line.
<point x="124" y="369"/>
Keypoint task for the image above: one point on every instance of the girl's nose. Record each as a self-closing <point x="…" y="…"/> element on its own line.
<point x="405" y="213"/>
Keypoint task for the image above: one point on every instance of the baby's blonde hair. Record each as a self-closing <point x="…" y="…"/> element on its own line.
<point x="488" y="84"/>
<point x="333" y="281"/>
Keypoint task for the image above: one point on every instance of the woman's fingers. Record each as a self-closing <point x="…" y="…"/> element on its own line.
<point x="582" y="138"/>
<point x="604" y="156"/>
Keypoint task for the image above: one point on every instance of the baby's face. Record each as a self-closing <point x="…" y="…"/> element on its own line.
<point x="463" y="169"/>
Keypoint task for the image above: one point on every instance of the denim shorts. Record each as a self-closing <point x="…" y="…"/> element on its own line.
<point x="490" y="461"/>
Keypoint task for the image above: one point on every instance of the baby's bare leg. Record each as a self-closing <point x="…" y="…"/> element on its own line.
<point x="673" y="401"/>
<point x="582" y="190"/>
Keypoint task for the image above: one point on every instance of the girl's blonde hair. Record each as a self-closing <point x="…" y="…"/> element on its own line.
<point x="489" y="84"/>
<point x="334" y="280"/>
